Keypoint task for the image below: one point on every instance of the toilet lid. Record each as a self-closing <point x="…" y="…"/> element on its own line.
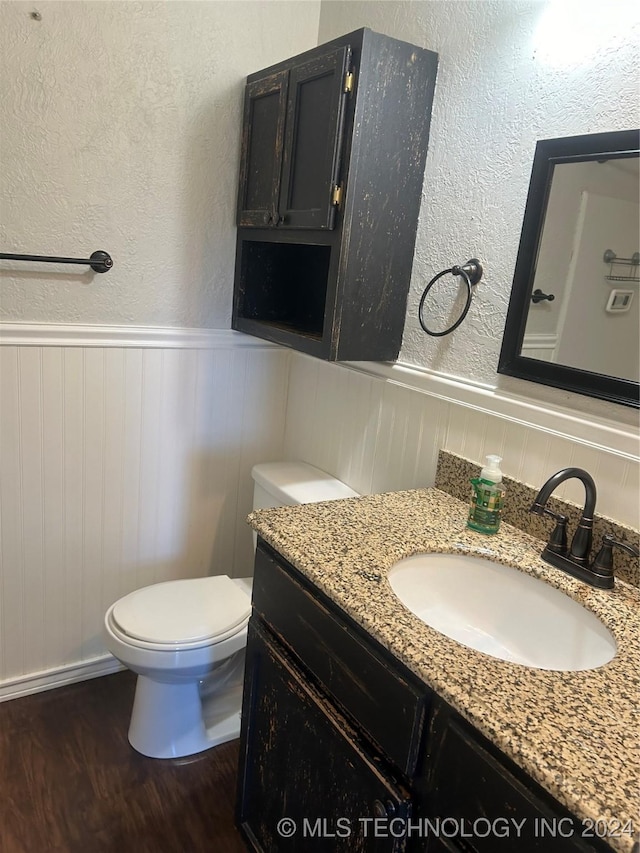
<point x="184" y="611"/>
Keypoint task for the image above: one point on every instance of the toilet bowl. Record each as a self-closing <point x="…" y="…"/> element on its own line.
<point x="185" y="639"/>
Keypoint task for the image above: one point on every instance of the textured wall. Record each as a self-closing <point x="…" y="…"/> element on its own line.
<point x="120" y="131"/>
<point x="509" y="75"/>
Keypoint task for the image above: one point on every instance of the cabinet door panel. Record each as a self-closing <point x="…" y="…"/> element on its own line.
<point x="493" y="811"/>
<point x="262" y="146"/>
<point x="303" y="762"/>
<point x="315" y="116"/>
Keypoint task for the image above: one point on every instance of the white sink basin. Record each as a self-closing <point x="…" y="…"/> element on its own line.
<point x="501" y="611"/>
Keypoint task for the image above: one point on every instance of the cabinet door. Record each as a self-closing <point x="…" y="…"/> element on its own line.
<point x="262" y="145"/>
<point x="301" y="761"/>
<point x="479" y="806"/>
<point x="315" y="118"/>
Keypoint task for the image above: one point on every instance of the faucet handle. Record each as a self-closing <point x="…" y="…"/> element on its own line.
<point x="558" y="539"/>
<point x="603" y="563"/>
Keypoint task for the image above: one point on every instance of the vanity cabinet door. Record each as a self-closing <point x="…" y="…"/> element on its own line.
<point x="301" y="761"/>
<point x="479" y="802"/>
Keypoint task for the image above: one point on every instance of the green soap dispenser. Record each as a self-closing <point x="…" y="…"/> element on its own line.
<point x="487" y="498"/>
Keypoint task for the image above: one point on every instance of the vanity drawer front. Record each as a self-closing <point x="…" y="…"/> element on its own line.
<point x="382" y="701"/>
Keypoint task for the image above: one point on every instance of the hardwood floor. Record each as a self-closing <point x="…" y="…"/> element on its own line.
<point x="69" y="781"/>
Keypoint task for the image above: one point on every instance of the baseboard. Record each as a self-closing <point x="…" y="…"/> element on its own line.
<point x="38" y="682"/>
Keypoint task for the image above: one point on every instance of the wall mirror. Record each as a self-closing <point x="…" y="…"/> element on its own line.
<point x="574" y="315"/>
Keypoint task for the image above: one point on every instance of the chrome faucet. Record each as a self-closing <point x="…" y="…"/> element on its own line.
<point x="575" y="560"/>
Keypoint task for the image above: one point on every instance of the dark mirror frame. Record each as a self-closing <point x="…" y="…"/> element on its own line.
<point x="549" y="153"/>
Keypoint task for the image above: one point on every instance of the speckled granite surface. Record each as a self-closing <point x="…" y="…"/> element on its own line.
<point x="576" y="733"/>
<point x="453" y="475"/>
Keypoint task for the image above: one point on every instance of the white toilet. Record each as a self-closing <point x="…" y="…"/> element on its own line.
<point x="186" y="638"/>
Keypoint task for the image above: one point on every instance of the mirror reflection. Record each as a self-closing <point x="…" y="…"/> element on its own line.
<point x="574" y="315"/>
<point x="584" y="309"/>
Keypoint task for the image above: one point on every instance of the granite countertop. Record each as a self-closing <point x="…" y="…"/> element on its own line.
<point x="575" y="733"/>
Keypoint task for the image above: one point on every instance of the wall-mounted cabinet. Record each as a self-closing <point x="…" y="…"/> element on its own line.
<point x="334" y="145"/>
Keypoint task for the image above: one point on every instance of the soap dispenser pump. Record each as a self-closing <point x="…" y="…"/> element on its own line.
<point x="487" y="497"/>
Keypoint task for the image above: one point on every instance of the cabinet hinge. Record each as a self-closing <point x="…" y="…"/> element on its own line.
<point x="336" y="195"/>
<point x="349" y="80"/>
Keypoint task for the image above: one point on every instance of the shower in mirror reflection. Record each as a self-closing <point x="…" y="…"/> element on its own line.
<point x="582" y="207"/>
<point x="593" y="208"/>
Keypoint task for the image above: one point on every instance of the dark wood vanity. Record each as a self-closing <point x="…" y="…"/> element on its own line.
<point x="342" y="740"/>
<point x="334" y="144"/>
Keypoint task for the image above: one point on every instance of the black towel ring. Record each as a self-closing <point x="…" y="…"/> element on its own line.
<point x="471" y="272"/>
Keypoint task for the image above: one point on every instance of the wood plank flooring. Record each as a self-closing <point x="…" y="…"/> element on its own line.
<point x="70" y="782"/>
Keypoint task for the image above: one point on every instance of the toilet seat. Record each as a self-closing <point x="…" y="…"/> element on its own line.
<point x="183" y="614"/>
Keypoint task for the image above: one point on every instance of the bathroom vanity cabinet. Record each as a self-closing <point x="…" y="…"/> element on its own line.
<point x="334" y="144"/>
<point x="345" y="742"/>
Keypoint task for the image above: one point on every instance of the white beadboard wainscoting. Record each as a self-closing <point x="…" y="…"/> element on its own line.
<point x="379" y="428"/>
<point x="125" y="459"/>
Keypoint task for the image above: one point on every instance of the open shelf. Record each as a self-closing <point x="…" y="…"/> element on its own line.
<point x="284" y="285"/>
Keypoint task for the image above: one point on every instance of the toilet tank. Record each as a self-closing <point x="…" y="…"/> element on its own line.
<point x="293" y="483"/>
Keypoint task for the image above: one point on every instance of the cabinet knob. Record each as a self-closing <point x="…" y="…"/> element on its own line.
<point x="281" y="220"/>
<point x="381" y="809"/>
